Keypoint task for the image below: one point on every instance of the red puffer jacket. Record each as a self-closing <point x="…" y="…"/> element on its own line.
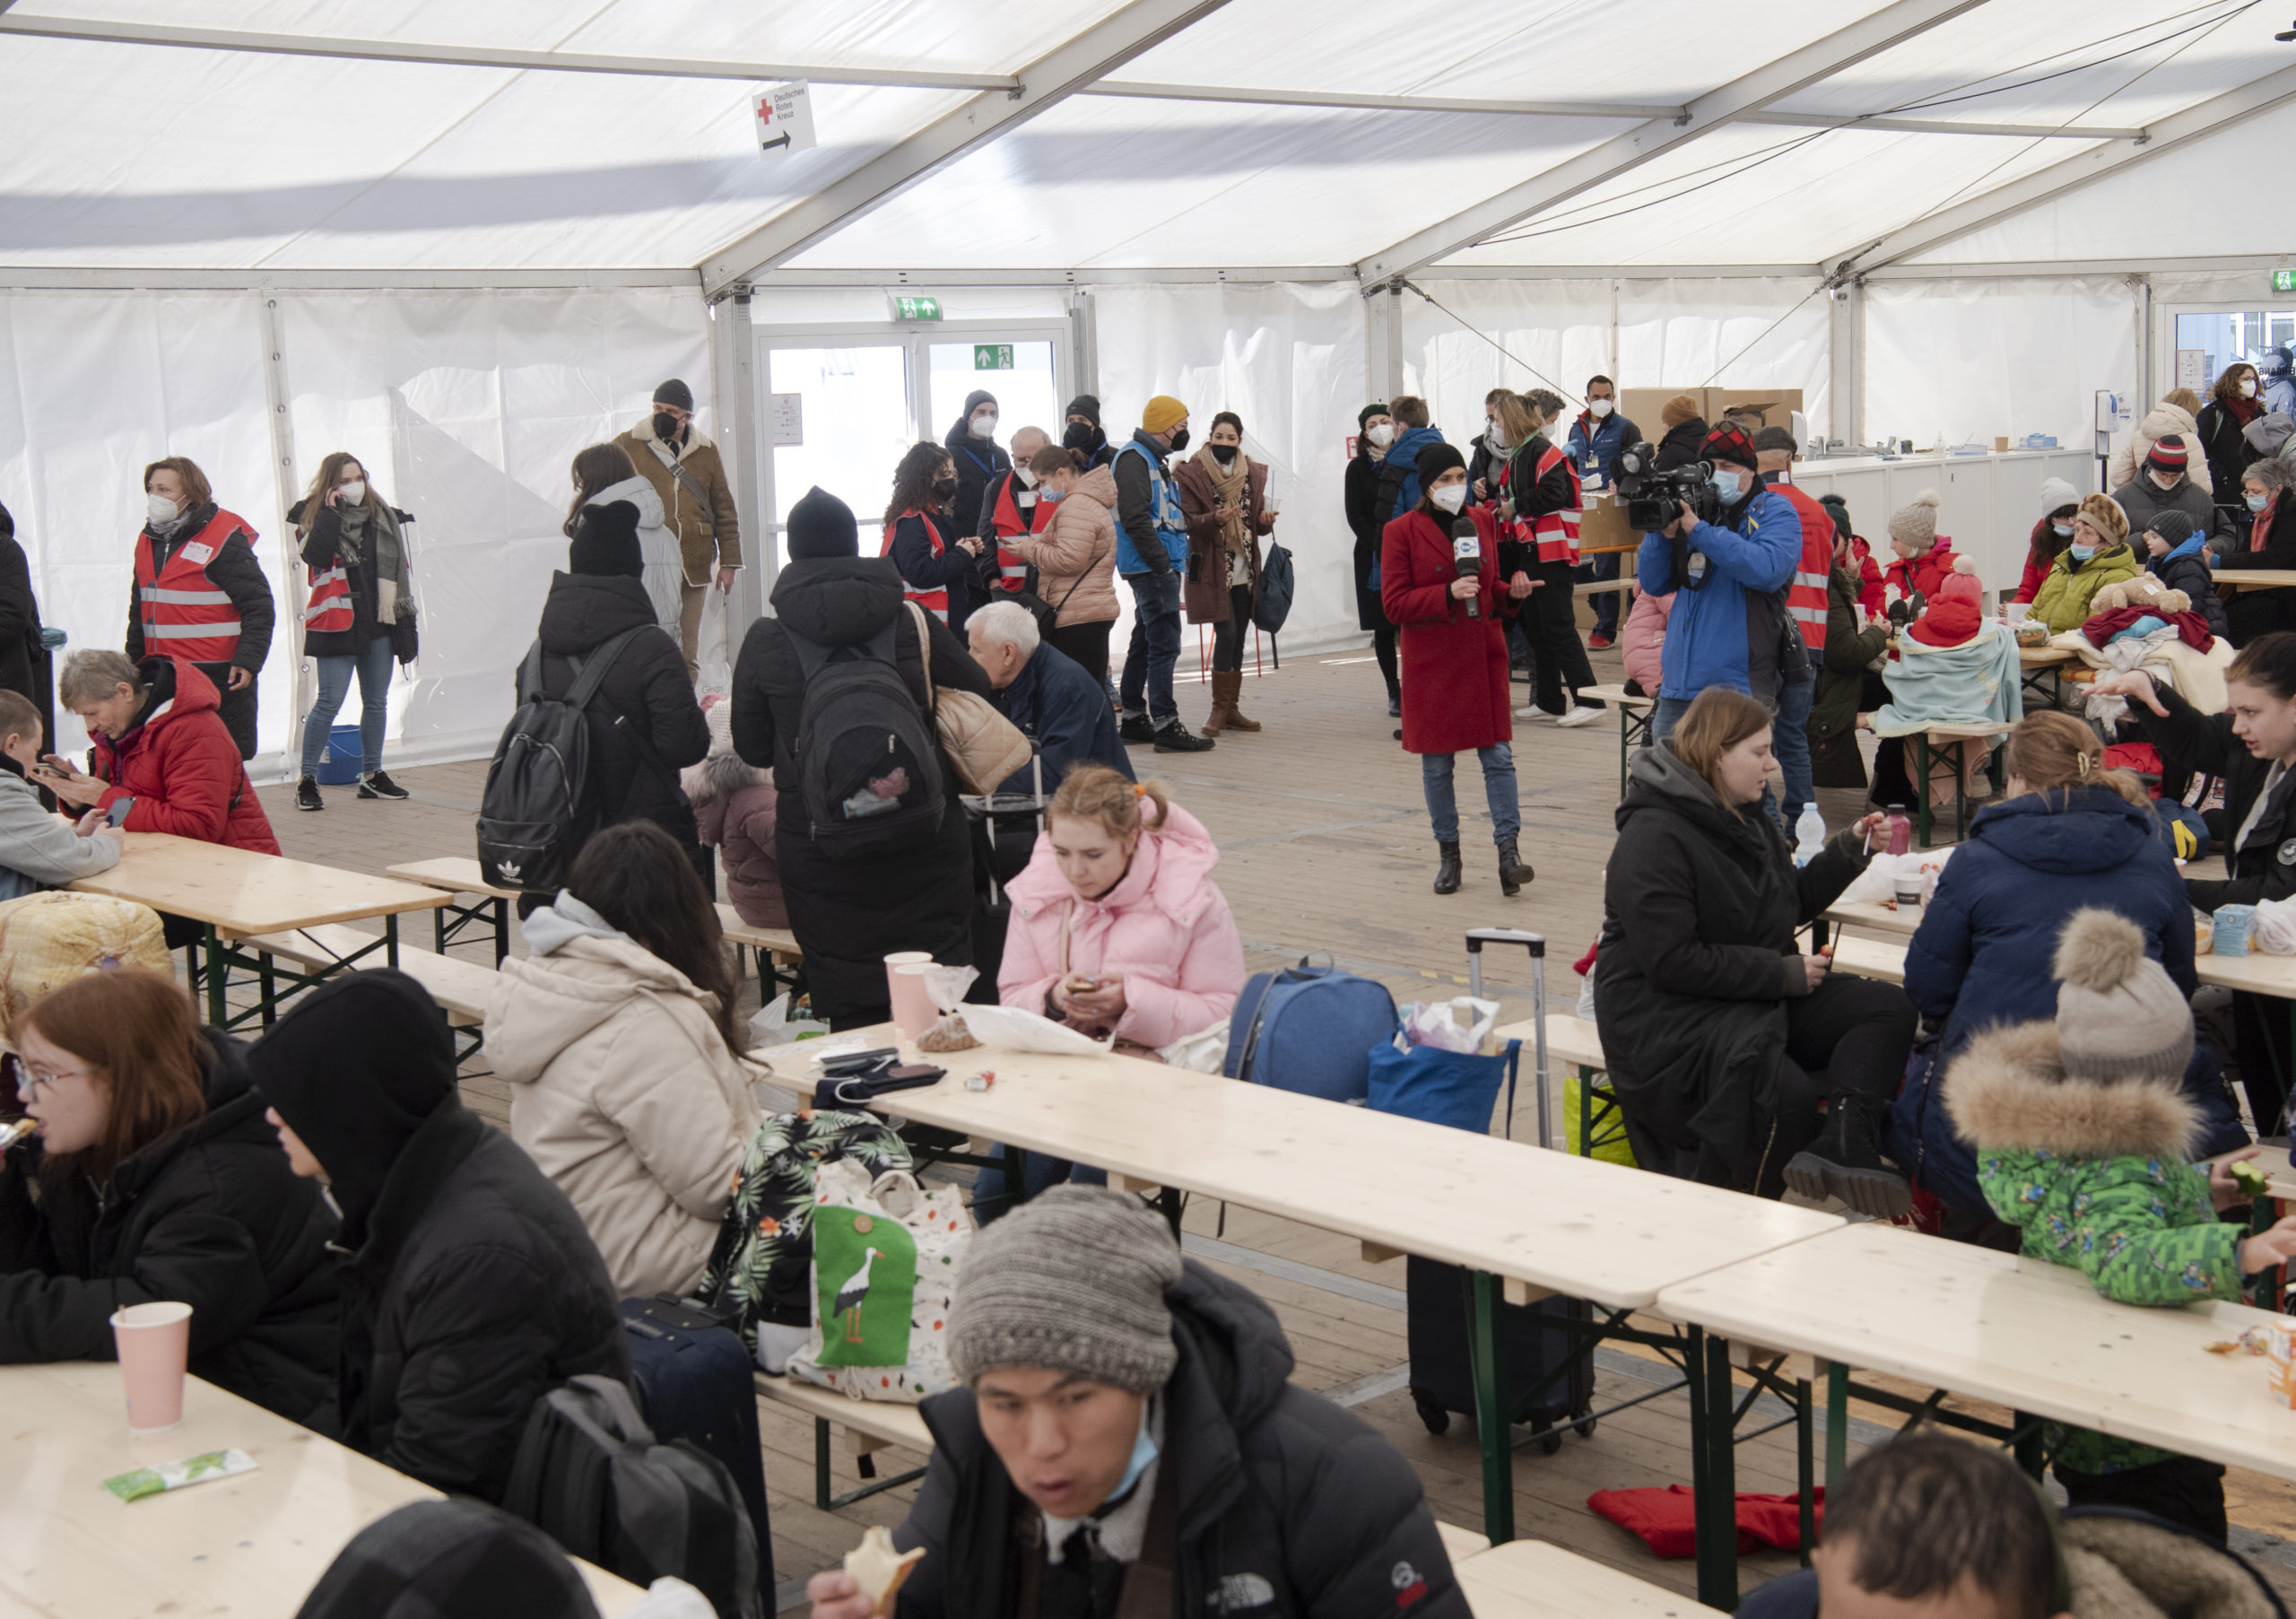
<point x="178" y="764"/>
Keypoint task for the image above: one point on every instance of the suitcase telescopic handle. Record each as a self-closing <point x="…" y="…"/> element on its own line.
<point x="1477" y="937"/>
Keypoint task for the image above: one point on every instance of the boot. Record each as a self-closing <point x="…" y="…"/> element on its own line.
<point x="1845" y="1161"/>
<point x="1513" y="872"/>
<point x="1224" y="705"/>
<point x="1447" y="874"/>
<point x="1236" y="720"/>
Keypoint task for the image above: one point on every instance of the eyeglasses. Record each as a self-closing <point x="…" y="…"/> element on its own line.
<point x="30" y="1081"/>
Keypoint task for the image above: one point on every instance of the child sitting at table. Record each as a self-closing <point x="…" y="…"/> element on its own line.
<point x="2082" y="1135"/>
<point x="1954" y="666"/>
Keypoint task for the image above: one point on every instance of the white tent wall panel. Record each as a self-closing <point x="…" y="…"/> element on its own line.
<point x="100" y="385"/>
<point x="1557" y="332"/>
<point x="1732" y="332"/>
<point x="468" y="409"/>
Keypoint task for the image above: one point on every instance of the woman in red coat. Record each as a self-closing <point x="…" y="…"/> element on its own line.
<point x="1455" y="688"/>
<point x="161" y="748"/>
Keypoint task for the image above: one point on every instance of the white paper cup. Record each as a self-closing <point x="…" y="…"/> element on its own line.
<point x="2015" y="611"/>
<point x="154" y="1344"/>
<point x="913" y="1009"/>
<point x="895" y="960"/>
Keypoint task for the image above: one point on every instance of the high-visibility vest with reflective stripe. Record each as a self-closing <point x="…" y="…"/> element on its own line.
<point x="934" y="601"/>
<point x="1806" y="597"/>
<point x="1012" y="568"/>
<point x="1557" y="532"/>
<point x="181" y="612"/>
<point x="328" y="609"/>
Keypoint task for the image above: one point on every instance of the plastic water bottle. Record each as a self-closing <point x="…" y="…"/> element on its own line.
<point x="1809" y="835"/>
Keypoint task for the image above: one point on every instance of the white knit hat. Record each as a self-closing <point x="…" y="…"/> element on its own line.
<point x="2056" y="494"/>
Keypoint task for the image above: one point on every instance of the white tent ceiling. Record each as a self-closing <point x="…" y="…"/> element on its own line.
<point x="240" y="154"/>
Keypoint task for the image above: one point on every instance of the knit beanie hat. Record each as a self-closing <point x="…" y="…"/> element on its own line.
<point x="1074" y="1280"/>
<point x="822" y="526"/>
<point x="2056" y="494"/>
<point x="1163" y="412"/>
<point x="2168" y="454"/>
<point x="2173" y="526"/>
<point x="1839" y="507"/>
<point x="1436" y="459"/>
<point x="1962" y="584"/>
<point x="2106" y="517"/>
<point x="604" y="548"/>
<point x="2118" y="1015"/>
<point x="1678" y="409"/>
<point x="674" y="393"/>
<point x="1377" y="407"/>
<point x="1087" y="405"/>
<point x="1917" y="524"/>
<point x="1729" y="444"/>
<point x="1950" y="620"/>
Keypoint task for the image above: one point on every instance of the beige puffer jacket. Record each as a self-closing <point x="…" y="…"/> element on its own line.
<point x="625" y="1095"/>
<point x="2162" y="421"/>
<point x="1079" y="549"/>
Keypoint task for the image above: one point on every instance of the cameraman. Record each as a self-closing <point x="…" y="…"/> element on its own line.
<point x="1732" y="573"/>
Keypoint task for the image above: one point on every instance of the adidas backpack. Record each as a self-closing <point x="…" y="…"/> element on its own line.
<point x="537" y="810"/>
<point x="868" y="759"/>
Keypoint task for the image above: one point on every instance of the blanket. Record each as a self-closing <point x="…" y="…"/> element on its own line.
<point x="2198" y="677"/>
<point x="2191" y="628"/>
<point x="1975" y="683"/>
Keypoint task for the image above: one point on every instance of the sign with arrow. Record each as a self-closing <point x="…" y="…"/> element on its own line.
<point x="785" y="118"/>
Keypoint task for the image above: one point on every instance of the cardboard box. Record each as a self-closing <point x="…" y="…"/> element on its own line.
<point x="1642" y="406"/>
<point x="1603" y="527"/>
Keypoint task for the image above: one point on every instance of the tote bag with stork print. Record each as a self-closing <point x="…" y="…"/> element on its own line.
<point x="886" y="1254"/>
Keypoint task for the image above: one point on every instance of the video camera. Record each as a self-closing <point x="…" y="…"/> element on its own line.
<point x="1651" y="496"/>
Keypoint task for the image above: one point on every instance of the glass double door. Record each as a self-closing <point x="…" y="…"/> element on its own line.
<point x="862" y="397"/>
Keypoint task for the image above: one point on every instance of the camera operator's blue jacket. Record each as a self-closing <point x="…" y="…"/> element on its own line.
<point x="1725" y="631"/>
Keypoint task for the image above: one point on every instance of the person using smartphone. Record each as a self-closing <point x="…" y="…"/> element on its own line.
<point x="38" y="849"/>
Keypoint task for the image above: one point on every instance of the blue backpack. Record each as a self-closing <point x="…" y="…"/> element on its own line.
<point x="1309" y="1029"/>
<point x="1272" y="602"/>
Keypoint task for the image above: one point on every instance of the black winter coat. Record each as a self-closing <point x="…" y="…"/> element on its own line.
<point x="2190" y="574"/>
<point x="2224" y="446"/>
<point x="210" y="1216"/>
<point x="20" y="649"/>
<point x="1287" y="1506"/>
<point x="978" y="461"/>
<point x="1681" y="445"/>
<point x="2143" y="500"/>
<point x="1363" y="516"/>
<point x="1842" y="674"/>
<point x="1697" y="961"/>
<point x="234" y="571"/>
<point x="849" y="914"/>
<point x="964" y="575"/>
<point x="2263" y="868"/>
<point x="474" y="1292"/>
<point x="645" y="725"/>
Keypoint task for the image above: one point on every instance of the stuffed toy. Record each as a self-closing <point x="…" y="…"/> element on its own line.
<point x="2144" y="592"/>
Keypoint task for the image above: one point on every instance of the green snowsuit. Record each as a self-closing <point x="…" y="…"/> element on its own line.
<point x="2097" y="1177"/>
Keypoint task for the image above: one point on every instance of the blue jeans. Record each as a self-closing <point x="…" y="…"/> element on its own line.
<point x="1147" y="684"/>
<point x="1789" y="739"/>
<point x="373" y="668"/>
<point x="989" y="1199"/>
<point x="1603" y="567"/>
<point x="1666" y="716"/>
<point x="1497" y="791"/>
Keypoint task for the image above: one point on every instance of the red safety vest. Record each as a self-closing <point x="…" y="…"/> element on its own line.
<point x="936" y="601"/>
<point x="1806" y="597"/>
<point x="182" y="613"/>
<point x="328" y="607"/>
<point x="1557" y="532"/>
<point x="1004" y="515"/>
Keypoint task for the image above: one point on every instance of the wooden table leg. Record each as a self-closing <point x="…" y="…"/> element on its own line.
<point x="1492" y="1429"/>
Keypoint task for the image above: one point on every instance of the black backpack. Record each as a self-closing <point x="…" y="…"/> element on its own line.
<point x="590" y="1475"/>
<point x="539" y="808"/>
<point x="868" y="759"/>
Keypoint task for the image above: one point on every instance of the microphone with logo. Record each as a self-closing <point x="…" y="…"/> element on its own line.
<point x="1466" y="556"/>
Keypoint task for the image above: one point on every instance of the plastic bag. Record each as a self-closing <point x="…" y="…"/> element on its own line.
<point x="1879" y="880"/>
<point x="947" y="986"/>
<point x="1202" y="1052"/>
<point x="712" y="643"/>
<point x="1458" y="1024"/>
<point x="2273" y="930"/>
<point x="771" y="1025"/>
<point x="1585" y="1009"/>
<point x="1610" y="1134"/>
<point x="1015" y="1028"/>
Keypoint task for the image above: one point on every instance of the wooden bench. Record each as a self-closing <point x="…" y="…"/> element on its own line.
<point x="1575" y="1040"/>
<point x="1943" y="742"/>
<point x="459" y="875"/>
<point x="1635" y="713"/>
<point x="870" y="1426"/>
<point x="774" y="947"/>
<point x="1533" y="1580"/>
<point x="1882" y="959"/>
<point x="461" y="988"/>
<point x="1458" y="1544"/>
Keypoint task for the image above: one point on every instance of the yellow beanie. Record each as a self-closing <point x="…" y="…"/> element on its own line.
<point x="1164" y="414"/>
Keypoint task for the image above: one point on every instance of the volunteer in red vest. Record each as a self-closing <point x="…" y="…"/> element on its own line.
<point x="1541" y="486"/>
<point x="1014" y="507"/>
<point x="359" y="618"/>
<point x="199" y="594"/>
<point x="940" y="567"/>
<point x="1805" y="611"/>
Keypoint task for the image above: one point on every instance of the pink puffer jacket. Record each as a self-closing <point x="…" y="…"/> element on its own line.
<point x="1165" y="928"/>
<point x="1642" y="643"/>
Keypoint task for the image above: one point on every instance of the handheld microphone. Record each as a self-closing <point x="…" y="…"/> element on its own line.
<point x="1466" y="556"/>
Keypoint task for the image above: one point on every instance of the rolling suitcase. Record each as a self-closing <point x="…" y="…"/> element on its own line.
<point x="1533" y="1339"/>
<point x="691" y="1374"/>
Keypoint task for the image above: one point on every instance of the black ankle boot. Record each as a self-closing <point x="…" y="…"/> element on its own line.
<point x="1513" y="871"/>
<point x="1447" y="874"/>
<point x="1845" y="1161"/>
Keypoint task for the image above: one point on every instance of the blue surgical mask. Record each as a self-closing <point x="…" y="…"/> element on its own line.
<point x="1726" y="484"/>
<point x="1143" y="1451"/>
<point x="2064" y="530"/>
<point x="2256" y="502"/>
<point x="2081" y="553"/>
<point x="1052" y="495"/>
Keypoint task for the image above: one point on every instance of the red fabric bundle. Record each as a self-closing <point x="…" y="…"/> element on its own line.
<point x="2191" y="628"/>
<point x="1666" y="1518"/>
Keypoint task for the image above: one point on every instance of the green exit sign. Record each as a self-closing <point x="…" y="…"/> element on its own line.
<point x="992" y="356"/>
<point x="907" y="308"/>
<point x="2284" y="281"/>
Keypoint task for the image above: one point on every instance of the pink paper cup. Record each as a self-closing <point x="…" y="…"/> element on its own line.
<point x="894" y="962"/>
<point x="913" y="1009"/>
<point x="154" y="1343"/>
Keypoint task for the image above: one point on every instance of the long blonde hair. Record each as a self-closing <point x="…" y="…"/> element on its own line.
<point x="2053" y="753"/>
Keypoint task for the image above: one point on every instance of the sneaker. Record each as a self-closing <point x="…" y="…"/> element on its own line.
<point x="1531" y="711"/>
<point x="1577" y="717"/>
<point x="306" y="795"/>
<point x="1136" y="728"/>
<point x="1173" y="738"/>
<point x="1598" y="642"/>
<point x="380" y="786"/>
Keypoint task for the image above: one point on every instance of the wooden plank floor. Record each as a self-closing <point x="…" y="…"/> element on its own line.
<point x="1324" y="848"/>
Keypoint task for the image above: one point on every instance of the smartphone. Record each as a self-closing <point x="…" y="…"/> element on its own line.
<point x="117" y="814"/>
<point x="911" y="1074"/>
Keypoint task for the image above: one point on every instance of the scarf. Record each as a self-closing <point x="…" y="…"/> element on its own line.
<point x="1230" y="486"/>
<point x="2261" y="526"/>
<point x="2244" y="409"/>
<point x="370" y="536"/>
